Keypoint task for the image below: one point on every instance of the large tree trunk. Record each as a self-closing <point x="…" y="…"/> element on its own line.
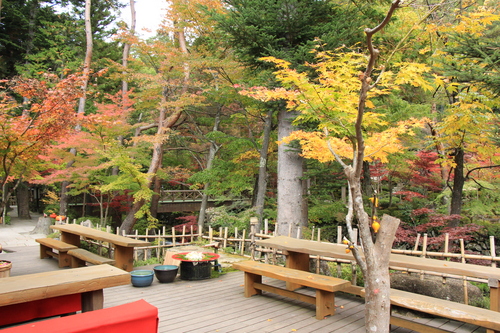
<point x="23" y="201"/>
<point x="458" y="187"/>
<point x="260" y="196"/>
<point x="210" y="160"/>
<point x="292" y="209"/>
<point x="63" y="209"/>
<point x="164" y="123"/>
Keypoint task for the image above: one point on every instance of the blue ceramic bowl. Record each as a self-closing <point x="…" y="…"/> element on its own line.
<point x="142" y="278"/>
<point x="166" y="273"/>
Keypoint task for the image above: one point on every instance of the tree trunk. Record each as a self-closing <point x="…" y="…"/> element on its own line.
<point x="164" y="123"/>
<point x="126" y="48"/>
<point x="458" y="187"/>
<point x="366" y="180"/>
<point x="23" y="200"/>
<point x="42" y="226"/>
<point x="260" y="195"/>
<point x="155" y="200"/>
<point x="292" y="212"/>
<point x="210" y="160"/>
<point x="63" y="208"/>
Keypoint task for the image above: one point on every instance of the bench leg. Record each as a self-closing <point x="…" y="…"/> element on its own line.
<point x="64" y="259"/>
<point x="250" y="279"/>
<point x="43" y="251"/>
<point x="325" y="304"/>
<point x="124" y="258"/>
<point x="92" y="300"/>
<point x="296" y="260"/>
<point x="77" y="262"/>
<point x="494" y="285"/>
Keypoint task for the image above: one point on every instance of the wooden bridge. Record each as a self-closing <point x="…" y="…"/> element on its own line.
<point x="183" y="201"/>
<point x="175" y="201"/>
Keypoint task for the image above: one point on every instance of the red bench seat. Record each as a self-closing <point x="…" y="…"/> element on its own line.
<point x="42" y="308"/>
<point x="139" y="316"/>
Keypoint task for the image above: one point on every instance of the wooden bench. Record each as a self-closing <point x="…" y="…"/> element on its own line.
<point x="138" y="316"/>
<point x="441" y="308"/>
<point x="26" y="297"/>
<point x="325" y="286"/>
<point x="297" y="253"/>
<point x="79" y="258"/>
<point x="123" y="246"/>
<point x="47" y="247"/>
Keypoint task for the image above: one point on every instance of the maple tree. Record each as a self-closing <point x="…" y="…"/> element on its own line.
<point x="176" y="66"/>
<point x="463" y="131"/>
<point x="350" y="131"/>
<point x="286" y="29"/>
<point x="27" y="129"/>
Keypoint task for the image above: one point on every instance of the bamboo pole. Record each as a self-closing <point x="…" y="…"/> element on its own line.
<point x="225" y="237"/>
<point x="417" y="241"/>
<point x="466" y="291"/>
<point x="243" y="243"/>
<point x="493" y="251"/>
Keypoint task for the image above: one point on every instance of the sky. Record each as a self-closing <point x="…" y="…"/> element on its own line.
<point x="149" y="14"/>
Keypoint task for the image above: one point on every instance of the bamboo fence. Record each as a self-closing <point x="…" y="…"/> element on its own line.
<point x="243" y="243"/>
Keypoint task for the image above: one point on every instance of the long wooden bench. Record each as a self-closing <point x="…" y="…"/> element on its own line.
<point x="47" y="247"/>
<point x="123" y="246"/>
<point x="297" y="253"/>
<point x="79" y="258"/>
<point x="26" y="297"/>
<point x="325" y="286"/>
<point x="441" y="308"/>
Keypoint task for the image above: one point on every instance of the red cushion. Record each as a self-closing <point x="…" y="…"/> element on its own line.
<point x="139" y="316"/>
<point x="17" y="313"/>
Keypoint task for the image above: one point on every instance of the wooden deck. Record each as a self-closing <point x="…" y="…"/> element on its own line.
<point x="218" y="305"/>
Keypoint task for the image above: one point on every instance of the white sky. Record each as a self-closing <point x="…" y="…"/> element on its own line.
<point x="149" y="14"/>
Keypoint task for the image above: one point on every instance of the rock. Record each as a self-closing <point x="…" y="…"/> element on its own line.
<point x="452" y="290"/>
<point x="87" y="223"/>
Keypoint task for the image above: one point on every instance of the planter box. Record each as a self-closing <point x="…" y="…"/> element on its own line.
<point x="5" y="269"/>
<point x="198" y="270"/>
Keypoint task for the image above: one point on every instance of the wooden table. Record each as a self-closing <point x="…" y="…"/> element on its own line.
<point x="87" y="281"/>
<point x="124" y="246"/>
<point x="297" y="253"/>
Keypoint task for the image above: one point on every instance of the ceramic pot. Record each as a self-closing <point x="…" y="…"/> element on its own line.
<point x="142" y="278"/>
<point x="166" y="273"/>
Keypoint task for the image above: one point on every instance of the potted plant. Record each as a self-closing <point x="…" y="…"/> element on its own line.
<point x="195" y="265"/>
<point x="5" y="267"/>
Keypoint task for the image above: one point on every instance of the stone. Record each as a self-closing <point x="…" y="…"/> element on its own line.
<point x="452" y="289"/>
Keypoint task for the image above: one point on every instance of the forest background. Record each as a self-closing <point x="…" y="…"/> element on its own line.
<point x="90" y="111"/>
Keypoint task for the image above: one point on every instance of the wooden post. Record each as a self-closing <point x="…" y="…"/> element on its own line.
<point x="266" y="226"/>
<point x="339" y="234"/>
<point x="494" y="285"/>
<point x="424" y="253"/>
<point x="173" y="236"/>
<point x="446" y="246"/>
<point x="225" y="238"/>
<point x="466" y="291"/>
<point x="254" y="222"/>
<point x="318" y="258"/>
<point x="493" y="251"/>
<point x="243" y="243"/>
